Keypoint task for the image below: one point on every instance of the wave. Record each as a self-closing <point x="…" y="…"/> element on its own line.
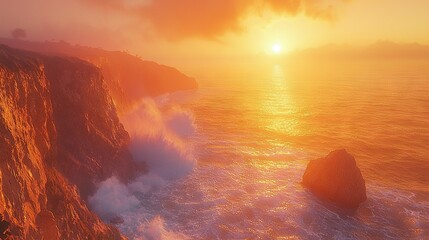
<point x="159" y="138"/>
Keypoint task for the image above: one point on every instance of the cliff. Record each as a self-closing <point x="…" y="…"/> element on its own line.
<point x="58" y="130"/>
<point x="92" y="143"/>
<point x="128" y="77"/>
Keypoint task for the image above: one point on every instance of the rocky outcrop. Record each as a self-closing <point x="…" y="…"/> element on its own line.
<point x="337" y="179"/>
<point x="58" y="130"/>
<point x="128" y="77"/>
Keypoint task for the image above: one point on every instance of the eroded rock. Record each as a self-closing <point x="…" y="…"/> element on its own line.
<point x="40" y="97"/>
<point x="337" y="179"/>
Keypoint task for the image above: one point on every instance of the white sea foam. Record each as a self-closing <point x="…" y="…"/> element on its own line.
<point x="112" y="198"/>
<point x="155" y="230"/>
<point x="160" y="139"/>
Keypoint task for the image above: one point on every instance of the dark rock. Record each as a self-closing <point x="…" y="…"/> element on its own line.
<point x="4" y="228"/>
<point x="337" y="179"/>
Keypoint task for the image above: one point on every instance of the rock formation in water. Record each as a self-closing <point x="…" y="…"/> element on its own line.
<point x="59" y="136"/>
<point x="337" y="179"/>
<point x="128" y="77"/>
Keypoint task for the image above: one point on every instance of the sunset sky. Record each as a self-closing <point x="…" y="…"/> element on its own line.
<point x="170" y="31"/>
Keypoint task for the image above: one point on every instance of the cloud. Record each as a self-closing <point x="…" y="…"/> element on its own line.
<point x="201" y="18"/>
<point x="210" y="19"/>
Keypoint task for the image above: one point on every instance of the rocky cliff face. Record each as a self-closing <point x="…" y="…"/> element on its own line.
<point x="58" y="130"/>
<point x="92" y="143"/>
<point x="128" y="77"/>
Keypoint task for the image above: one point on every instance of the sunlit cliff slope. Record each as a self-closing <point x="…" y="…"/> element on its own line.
<point x="128" y="77"/>
<point x="59" y="136"/>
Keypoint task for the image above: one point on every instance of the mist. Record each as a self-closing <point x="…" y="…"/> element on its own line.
<point x="112" y="198"/>
<point x="159" y="138"/>
<point x="155" y="230"/>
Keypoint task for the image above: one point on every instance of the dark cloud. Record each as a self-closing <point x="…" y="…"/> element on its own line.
<point x="175" y="19"/>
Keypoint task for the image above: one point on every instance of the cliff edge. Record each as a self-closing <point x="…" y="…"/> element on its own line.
<point x="59" y="136"/>
<point x="128" y="78"/>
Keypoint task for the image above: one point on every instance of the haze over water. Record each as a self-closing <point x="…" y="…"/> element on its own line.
<point x="256" y="132"/>
<point x="272" y="85"/>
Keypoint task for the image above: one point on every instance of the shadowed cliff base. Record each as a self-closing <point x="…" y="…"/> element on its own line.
<point x="4" y="228"/>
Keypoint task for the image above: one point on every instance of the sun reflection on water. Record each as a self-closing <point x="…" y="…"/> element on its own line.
<point x="278" y="106"/>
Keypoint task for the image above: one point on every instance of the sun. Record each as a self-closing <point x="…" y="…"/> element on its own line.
<point x="276" y="48"/>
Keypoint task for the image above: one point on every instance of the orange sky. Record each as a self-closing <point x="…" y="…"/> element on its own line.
<point x="173" y="31"/>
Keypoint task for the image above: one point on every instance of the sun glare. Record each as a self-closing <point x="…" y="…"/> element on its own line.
<point x="276" y="48"/>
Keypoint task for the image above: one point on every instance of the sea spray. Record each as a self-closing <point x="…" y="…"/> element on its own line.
<point x="145" y="183"/>
<point x="112" y="198"/>
<point x="180" y="122"/>
<point x="160" y="139"/>
<point x="155" y="230"/>
<point x="165" y="155"/>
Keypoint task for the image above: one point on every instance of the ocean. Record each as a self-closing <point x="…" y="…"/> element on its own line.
<point x="257" y="130"/>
